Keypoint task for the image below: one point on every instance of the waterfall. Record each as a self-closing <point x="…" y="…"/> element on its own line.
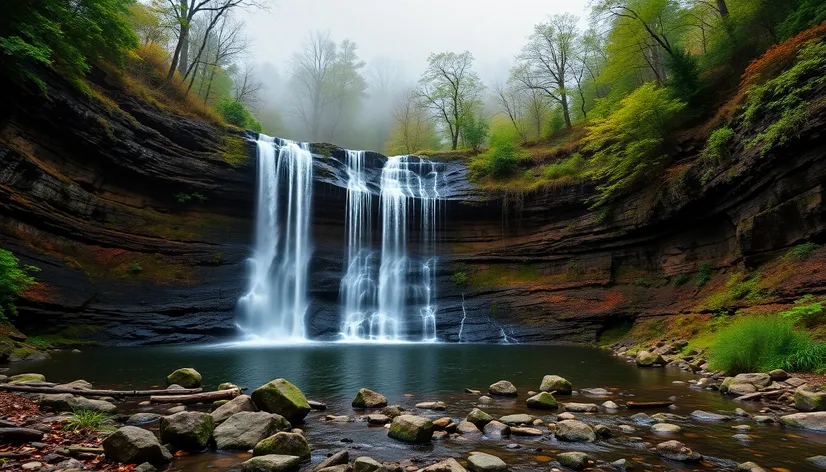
<point x="382" y="310"/>
<point x="276" y="303"/>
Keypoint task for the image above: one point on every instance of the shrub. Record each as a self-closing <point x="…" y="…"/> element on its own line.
<point x="703" y="275"/>
<point x="14" y="280"/>
<point x="188" y="197"/>
<point x="569" y="167"/>
<point x="802" y="251"/>
<point x="136" y="268"/>
<point x="760" y="344"/>
<point x="806" y="312"/>
<point x="717" y="145"/>
<point x="461" y="280"/>
<point x="237" y="114"/>
<point x="737" y="288"/>
<point x="681" y="279"/>
<point x="90" y="420"/>
<point x="39" y="342"/>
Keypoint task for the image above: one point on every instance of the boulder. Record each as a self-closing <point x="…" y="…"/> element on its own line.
<point x="677" y="451"/>
<point x="574" y="431"/>
<point x="517" y="419"/>
<point x="556" y="384"/>
<point x="237" y="404"/>
<point x="741" y="389"/>
<point x="649" y="359"/>
<point x="20" y="378"/>
<point x="227" y="386"/>
<point x="809" y="401"/>
<point x="145" y="467"/>
<point x="367" y="464"/>
<point x="778" y="375"/>
<point x="665" y="428"/>
<point x="757" y="379"/>
<point x="378" y="419"/>
<point x="581" y="407"/>
<point x="482" y="462"/>
<point x="603" y="431"/>
<point x="496" y="429"/>
<point x="466" y="427"/>
<point x="187" y="430"/>
<point x="811" y="421"/>
<point x="574" y="460"/>
<point x="341" y="457"/>
<point x="642" y="418"/>
<point x="144" y="419"/>
<point x="410" y="428"/>
<point x="245" y="429"/>
<point x="281" y="397"/>
<point x="542" y="401"/>
<point x="133" y="445"/>
<point x="479" y="418"/>
<point x="436" y="406"/>
<point x="186" y="378"/>
<point x="271" y="463"/>
<point x="67" y="402"/>
<point x="392" y="411"/>
<point x="706" y="416"/>
<point x="288" y="444"/>
<point x="502" y="388"/>
<point x="442" y="423"/>
<point x="447" y="465"/>
<point x="367" y="398"/>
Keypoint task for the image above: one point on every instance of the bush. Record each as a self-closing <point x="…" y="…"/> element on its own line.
<point x="703" y="275"/>
<point x="681" y="279"/>
<point x="717" y="145"/>
<point x="760" y="344"/>
<point x="14" y="280"/>
<point x="802" y="251"/>
<point x="236" y="114"/>
<point x="569" y="167"/>
<point x="89" y="420"/>
<point x="461" y="280"/>
<point x="806" y="312"/>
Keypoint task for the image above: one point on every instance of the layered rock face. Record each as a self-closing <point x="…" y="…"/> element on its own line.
<point x="141" y="221"/>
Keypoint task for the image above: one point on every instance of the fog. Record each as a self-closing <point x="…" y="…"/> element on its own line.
<point x="393" y="39"/>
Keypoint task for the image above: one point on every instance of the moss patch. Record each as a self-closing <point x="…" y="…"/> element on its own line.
<point x="234" y="150"/>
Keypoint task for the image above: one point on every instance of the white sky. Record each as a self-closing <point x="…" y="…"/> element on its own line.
<point x="406" y="31"/>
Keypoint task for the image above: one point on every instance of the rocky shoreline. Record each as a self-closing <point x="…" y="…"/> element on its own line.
<point x="266" y="428"/>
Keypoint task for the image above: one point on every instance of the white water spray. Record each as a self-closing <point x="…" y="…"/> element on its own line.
<point x="464" y="316"/>
<point x="276" y="303"/>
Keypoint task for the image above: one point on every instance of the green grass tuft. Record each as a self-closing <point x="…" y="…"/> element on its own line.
<point x="84" y="419"/>
<point x="802" y="251"/>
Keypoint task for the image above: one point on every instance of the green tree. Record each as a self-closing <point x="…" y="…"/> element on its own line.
<point x="474" y="131"/>
<point x="13" y="281"/>
<point x="68" y="36"/>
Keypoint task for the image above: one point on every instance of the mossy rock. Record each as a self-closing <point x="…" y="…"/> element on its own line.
<point x="411" y="429"/>
<point x="281" y="397"/>
<point x="289" y="444"/>
<point x="20" y="378"/>
<point x="187" y="430"/>
<point x="28" y="353"/>
<point x="542" y="401"/>
<point x="186" y="378"/>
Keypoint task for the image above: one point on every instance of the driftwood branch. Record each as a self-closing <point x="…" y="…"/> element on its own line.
<point x="197" y="397"/>
<point x="95" y="393"/>
<point x="640" y="405"/>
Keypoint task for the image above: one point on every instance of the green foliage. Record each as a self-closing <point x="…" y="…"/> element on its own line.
<point x="461" y="280"/>
<point x="501" y="160"/>
<point x="807" y="13"/>
<point x="570" y="167"/>
<point x="190" y="197"/>
<point x="474" y="131"/>
<point x="703" y="275"/>
<point x="67" y="36"/>
<point x="802" y="251"/>
<point x="39" y="342"/>
<point x="681" y="279"/>
<point x="14" y="280"/>
<point x="806" y="312"/>
<point x="717" y="145"/>
<point x="760" y="344"/>
<point x="628" y="144"/>
<point x="236" y="114"/>
<point x="136" y="268"/>
<point x="786" y="95"/>
<point x="88" y="420"/>
<point x="737" y="288"/>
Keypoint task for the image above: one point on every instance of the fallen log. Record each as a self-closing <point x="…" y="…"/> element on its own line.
<point x="197" y="397"/>
<point x="640" y="405"/>
<point x="19" y="435"/>
<point x="97" y="393"/>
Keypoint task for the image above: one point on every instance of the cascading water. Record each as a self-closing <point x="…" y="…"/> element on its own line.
<point x="276" y="303"/>
<point x="405" y="288"/>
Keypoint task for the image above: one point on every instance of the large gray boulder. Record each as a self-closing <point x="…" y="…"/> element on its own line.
<point x="186" y="378"/>
<point x="502" y="388"/>
<point x="556" y="384"/>
<point x="67" y="402"/>
<point x="812" y="421"/>
<point x="236" y="405"/>
<point x="677" y="451"/>
<point x="805" y="400"/>
<point x="133" y="445"/>
<point x="288" y="444"/>
<point x="466" y="427"/>
<point x="411" y="429"/>
<point x="757" y="379"/>
<point x="574" y="431"/>
<point x="245" y="429"/>
<point x="271" y="463"/>
<point x="281" y="397"/>
<point x="367" y="398"/>
<point x="496" y="429"/>
<point x="187" y="430"/>
<point x="649" y="359"/>
<point x="482" y="462"/>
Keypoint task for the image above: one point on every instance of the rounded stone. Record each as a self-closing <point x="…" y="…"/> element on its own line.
<point x="556" y="384"/>
<point x="502" y="388"/>
<point x="288" y="444"/>
<point x="281" y="397"/>
<point x="186" y="377"/>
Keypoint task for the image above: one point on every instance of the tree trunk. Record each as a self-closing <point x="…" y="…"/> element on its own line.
<point x="184" y="59"/>
<point x="176" y="56"/>
<point x="723" y="8"/>
<point x="209" y="85"/>
<point x="95" y="392"/>
<point x="565" y="112"/>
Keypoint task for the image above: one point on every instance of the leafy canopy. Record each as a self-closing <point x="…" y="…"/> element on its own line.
<point x="13" y="281"/>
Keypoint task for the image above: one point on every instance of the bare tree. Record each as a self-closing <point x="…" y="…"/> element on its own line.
<point x="414" y="130"/>
<point x="226" y="42"/>
<point x="450" y="89"/>
<point x="511" y="101"/>
<point x="246" y="88"/>
<point x="546" y="61"/>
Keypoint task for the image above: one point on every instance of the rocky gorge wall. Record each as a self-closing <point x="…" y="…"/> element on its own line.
<point x="141" y="220"/>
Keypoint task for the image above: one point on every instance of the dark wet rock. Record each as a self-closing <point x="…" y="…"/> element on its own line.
<point x="367" y="398"/>
<point x="410" y="428"/>
<point x="145" y="467"/>
<point x="341" y="457"/>
<point x="186" y="378"/>
<point x="642" y="418"/>
<point x="496" y="429"/>
<point x="367" y="464"/>
<point x="581" y="407"/>
<point x="707" y="416"/>
<point x="271" y="463"/>
<point x="187" y="430"/>
<point x="677" y="451"/>
<point x="555" y="384"/>
<point x="542" y="401"/>
<point x="133" y="445"/>
<point x="811" y="421"/>
<point x="281" y="397"/>
<point x="17" y="435"/>
<point x="517" y="419"/>
<point x="619" y="464"/>
<point x="392" y="411"/>
<point x="318" y="406"/>
<point x="805" y="400"/>
<point x="479" y="418"/>
<point x="236" y="405"/>
<point x="574" y="431"/>
<point x="144" y="419"/>
<point x="574" y="460"/>
<point x="778" y="375"/>
<point x="502" y="388"/>
<point x="483" y="462"/>
<point x="603" y="431"/>
<point x="245" y="429"/>
<point x="283" y="443"/>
